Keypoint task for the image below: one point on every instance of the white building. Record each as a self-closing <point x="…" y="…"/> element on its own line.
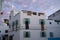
<point x="28" y="25"/>
<point x="3" y="31"/>
<point x="55" y="16"/>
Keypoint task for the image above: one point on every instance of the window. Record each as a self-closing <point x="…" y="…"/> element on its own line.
<point x="0" y="31"/>
<point x="42" y="27"/>
<point x="29" y="13"/>
<point x="16" y="25"/>
<point x="51" y="34"/>
<point x="43" y="34"/>
<point x="10" y="37"/>
<point x="41" y="21"/>
<point x="26" y="19"/>
<point x="50" y="22"/>
<point x="6" y="31"/>
<point x="57" y="21"/>
<point x="13" y="26"/>
<point x="26" y="22"/>
<point x="26" y="25"/>
<point x="16" y="22"/>
<point x="40" y="14"/>
<point x="34" y="13"/>
<point x="26" y="34"/>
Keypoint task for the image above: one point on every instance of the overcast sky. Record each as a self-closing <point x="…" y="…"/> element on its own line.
<point x="46" y="6"/>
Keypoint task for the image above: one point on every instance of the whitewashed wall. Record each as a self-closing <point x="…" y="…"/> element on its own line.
<point x="34" y="27"/>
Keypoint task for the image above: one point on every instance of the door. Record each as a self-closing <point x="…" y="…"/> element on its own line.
<point x="26" y="25"/>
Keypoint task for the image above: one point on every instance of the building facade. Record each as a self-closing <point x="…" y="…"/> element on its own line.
<point x="3" y="31"/>
<point x="55" y="16"/>
<point x="28" y="25"/>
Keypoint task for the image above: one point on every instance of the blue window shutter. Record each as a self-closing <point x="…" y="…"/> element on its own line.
<point x="42" y="21"/>
<point x="51" y="34"/>
<point x="13" y="24"/>
<point x="26" y="34"/>
<point x="26" y="19"/>
<point x="17" y="22"/>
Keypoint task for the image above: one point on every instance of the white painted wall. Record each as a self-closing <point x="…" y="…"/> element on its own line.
<point x="54" y="27"/>
<point x="34" y="27"/>
<point x="56" y="17"/>
<point x="34" y="20"/>
<point x="3" y="27"/>
<point x="34" y="35"/>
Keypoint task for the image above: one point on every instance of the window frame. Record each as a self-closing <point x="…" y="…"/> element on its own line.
<point x="6" y="31"/>
<point x="26" y="34"/>
<point x="29" y="13"/>
<point x="51" y="34"/>
<point x="26" y="19"/>
<point x="12" y="26"/>
<point x="41" y="21"/>
<point x="43" y="32"/>
<point x="39" y="14"/>
<point x="16" y="25"/>
<point x="34" y="13"/>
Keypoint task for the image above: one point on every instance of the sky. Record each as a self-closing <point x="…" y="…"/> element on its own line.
<point x="46" y="6"/>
